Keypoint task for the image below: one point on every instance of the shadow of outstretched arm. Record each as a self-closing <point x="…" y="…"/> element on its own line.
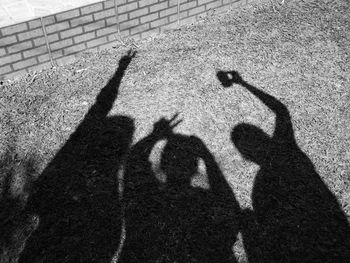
<point x="295" y="217"/>
<point x="283" y="127"/>
<point x="217" y="181"/>
<point x="76" y="196"/>
<point x="224" y="200"/>
<point x="106" y="97"/>
<point x="138" y="167"/>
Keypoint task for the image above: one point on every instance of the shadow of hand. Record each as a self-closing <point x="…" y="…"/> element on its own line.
<point x="164" y="128"/>
<point x="125" y="60"/>
<point x="227" y="78"/>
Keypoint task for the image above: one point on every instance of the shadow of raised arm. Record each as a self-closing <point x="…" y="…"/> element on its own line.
<point x="107" y="95"/>
<point x="295" y="217"/>
<point x="217" y="181"/>
<point x="76" y="195"/>
<point x="283" y="127"/>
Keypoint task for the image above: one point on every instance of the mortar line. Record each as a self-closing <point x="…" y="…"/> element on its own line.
<point x="178" y="13"/>
<point x="47" y="41"/>
<point x="117" y="16"/>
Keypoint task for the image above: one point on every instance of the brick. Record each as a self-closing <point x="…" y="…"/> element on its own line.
<point x="65" y="60"/>
<point x="173" y="18"/>
<point x="197" y="10"/>
<point x="40" y="67"/>
<point x="57" y="27"/>
<point x="81" y="20"/>
<point x="183" y="15"/>
<point x="84" y="37"/>
<point x="188" y="5"/>
<point x="111" y="21"/>
<point x="71" y="32"/>
<point x="108" y="4"/>
<point x="67" y="15"/>
<point x="19" y="47"/>
<point x="129" y="24"/>
<point x="158" y="7"/>
<point x="10" y="59"/>
<point x="14" y="29"/>
<point x="122" y="34"/>
<point x="169" y="27"/>
<point x="123" y="17"/>
<point x="49" y="20"/>
<point x="143" y="3"/>
<point x="16" y="75"/>
<point x="189" y="20"/>
<point x="91" y="8"/>
<point x="221" y="9"/>
<point x="5" y="69"/>
<point x="238" y="3"/>
<point x="92" y="49"/>
<point x="5" y="41"/>
<point x="96" y="42"/>
<point x="74" y="49"/>
<point x="2" y="52"/>
<point x="169" y="11"/>
<point x="30" y="34"/>
<point x="106" y="31"/>
<point x="104" y="14"/>
<point x="213" y="5"/>
<point x="35" y="52"/>
<point x="61" y="44"/>
<point x="138" y="13"/>
<point x="24" y="63"/>
<point x="150" y="33"/>
<point x="139" y="29"/>
<point x="94" y="26"/>
<point x="107" y="46"/>
<point x="34" y="24"/>
<point x="202" y="2"/>
<point x="41" y="40"/>
<point x="235" y="3"/>
<point x="114" y="37"/>
<point x="126" y="8"/>
<point x="44" y="58"/>
<point x="148" y="18"/>
<point x="159" y="22"/>
<point x="57" y="54"/>
<point x="173" y="2"/>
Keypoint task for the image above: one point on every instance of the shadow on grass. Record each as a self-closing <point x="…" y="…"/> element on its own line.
<point x="76" y="196"/>
<point x="16" y="175"/>
<point x="171" y="220"/>
<point x="295" y="217"/>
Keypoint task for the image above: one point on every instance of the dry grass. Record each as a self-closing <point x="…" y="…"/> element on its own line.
<point x="297" y="52"/>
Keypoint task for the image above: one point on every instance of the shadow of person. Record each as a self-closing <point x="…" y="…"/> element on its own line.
<point x="174" y="221"/>
<point x="16" y="174"/>
<point x="295" y="217"/>
<point x="76" y="196"/>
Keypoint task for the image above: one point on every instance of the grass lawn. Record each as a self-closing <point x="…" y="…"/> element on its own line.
<point x="297" y="52"/>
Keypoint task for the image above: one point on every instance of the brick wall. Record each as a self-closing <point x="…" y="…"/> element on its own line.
<point x="56" y="39"/>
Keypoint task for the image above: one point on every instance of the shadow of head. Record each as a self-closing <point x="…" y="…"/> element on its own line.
<point x="179" y="160"/>
<point x="252" y="142"/>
